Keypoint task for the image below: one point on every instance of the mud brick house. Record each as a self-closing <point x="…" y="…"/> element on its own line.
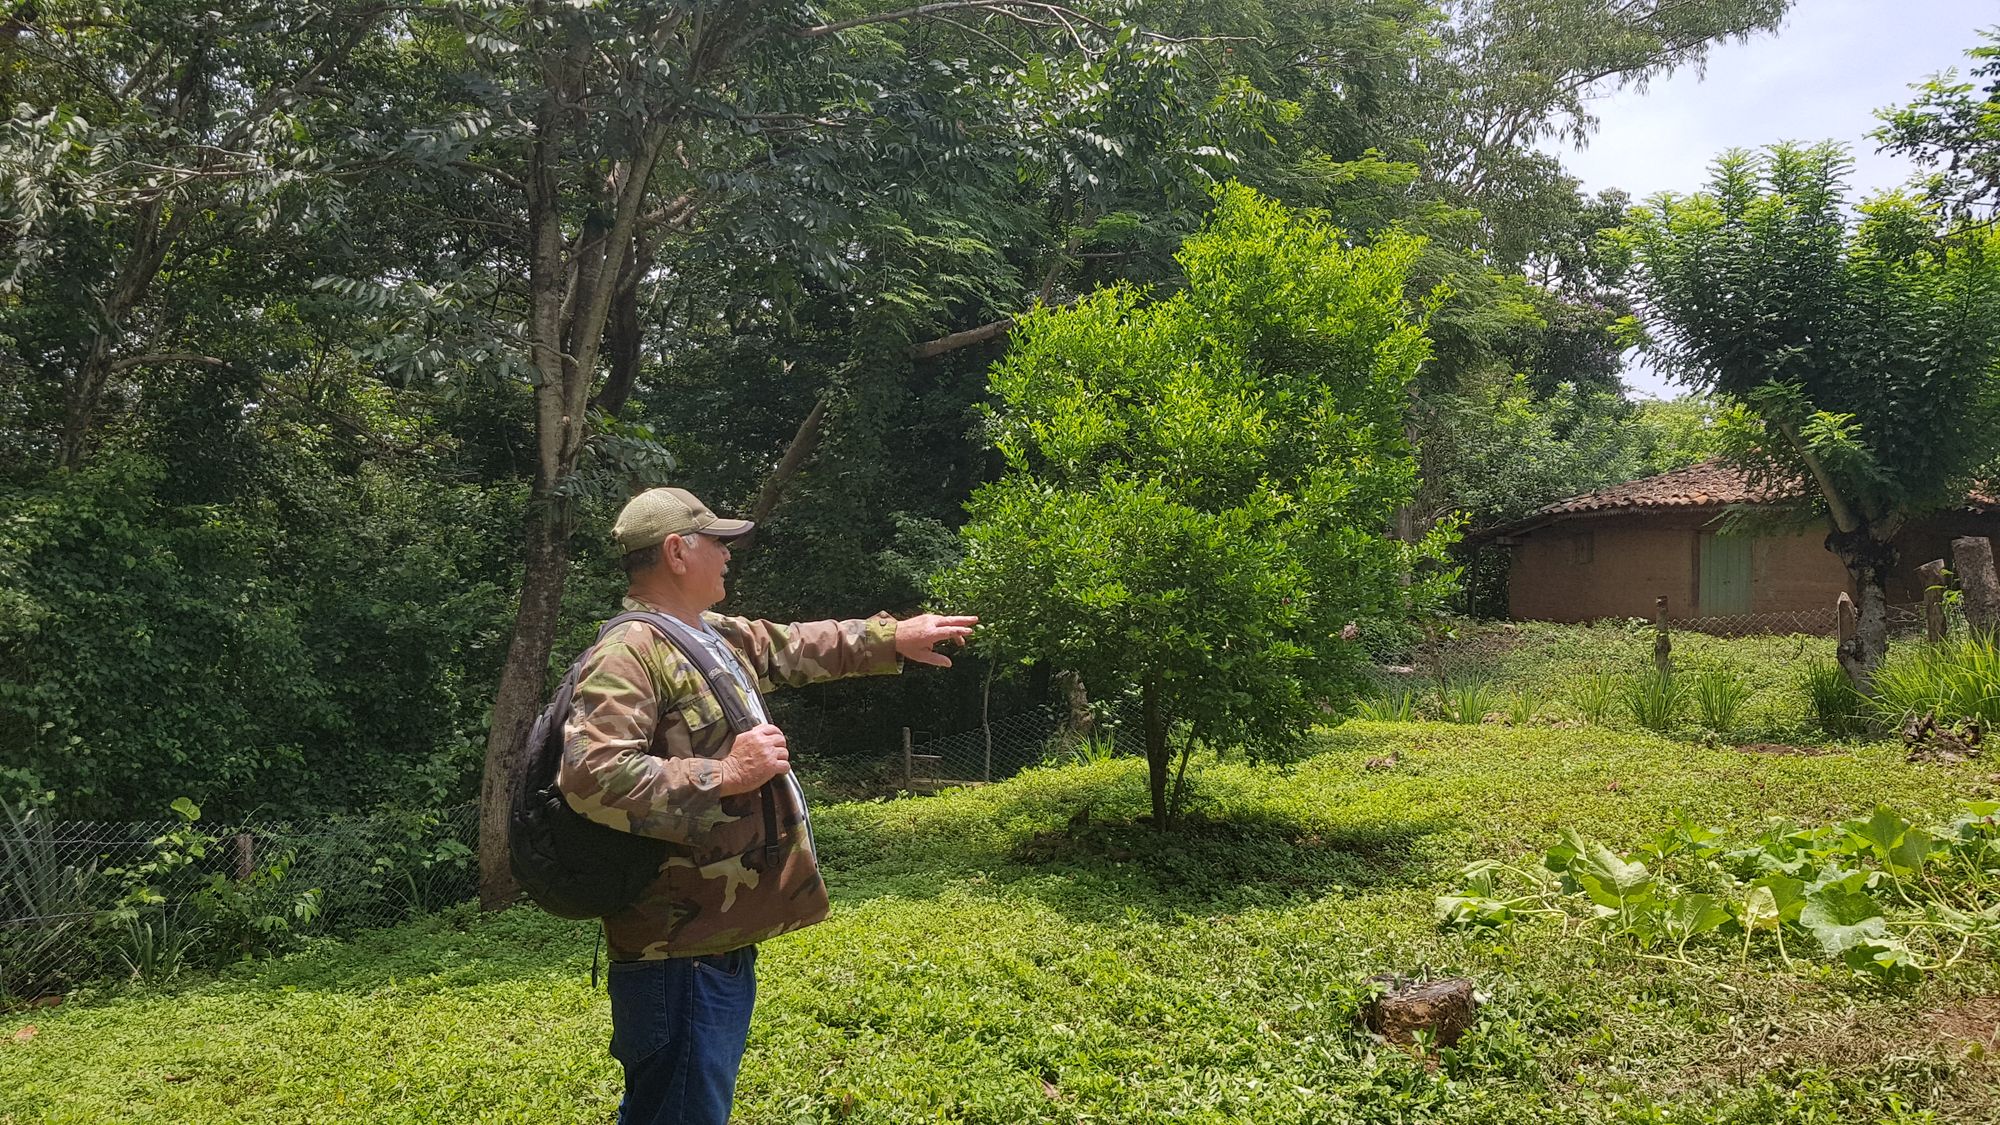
<point x="1611" y="553"/>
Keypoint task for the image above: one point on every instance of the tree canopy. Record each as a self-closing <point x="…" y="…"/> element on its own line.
<point x="1861" y="348"/>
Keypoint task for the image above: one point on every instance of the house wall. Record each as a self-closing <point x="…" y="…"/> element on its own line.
<point x="1587" y="568"/>
<point x="1630" y="562"/>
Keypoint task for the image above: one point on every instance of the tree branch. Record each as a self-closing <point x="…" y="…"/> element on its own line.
<point x="161" y="358"/>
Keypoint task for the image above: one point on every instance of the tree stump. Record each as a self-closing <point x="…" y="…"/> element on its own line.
<point x="1932" y="573"/>
<point x="1445" y="1008"/>
<point x="1972" y="559"/>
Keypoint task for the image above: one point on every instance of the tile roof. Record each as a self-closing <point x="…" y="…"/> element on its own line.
<point x="1708" y="485"/>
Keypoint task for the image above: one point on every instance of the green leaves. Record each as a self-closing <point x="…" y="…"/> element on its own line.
<point x="1884" y="897"/>
<point x="1840" y="918"/>
<point x="1196" y="487"/>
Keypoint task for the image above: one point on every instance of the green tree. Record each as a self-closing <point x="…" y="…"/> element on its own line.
<point x="1952" y="130"/>
<point x="1197" y="488"/>
<point x="1859" y="348"/>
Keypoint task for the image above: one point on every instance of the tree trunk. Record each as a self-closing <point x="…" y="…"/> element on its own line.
<point x="519" y="699"/>
<point x="1869" y="563"/>
<point x="1157" y="754"/>
<point x="1972" y="558"/>
<point x="1934" y="580"/>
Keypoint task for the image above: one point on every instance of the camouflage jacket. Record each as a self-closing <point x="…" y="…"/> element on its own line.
<point x="640" y="754"/>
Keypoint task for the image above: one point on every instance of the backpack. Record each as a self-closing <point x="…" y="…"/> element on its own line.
<point x="569" y="864"/>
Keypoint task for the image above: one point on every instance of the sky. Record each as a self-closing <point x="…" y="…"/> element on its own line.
<point x="1820" y="77"/>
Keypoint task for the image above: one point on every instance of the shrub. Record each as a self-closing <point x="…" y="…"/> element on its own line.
<point x="1719" y="694"/>
<point x="1656" y="699"/>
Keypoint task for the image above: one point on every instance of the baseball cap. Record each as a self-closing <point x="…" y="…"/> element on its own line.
<point x="648" y="518"/>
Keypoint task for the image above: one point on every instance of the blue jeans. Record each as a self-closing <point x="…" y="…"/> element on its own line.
<point x="678" y="1026"/>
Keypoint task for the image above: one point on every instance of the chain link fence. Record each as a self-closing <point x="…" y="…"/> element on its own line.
<point x="85" y="900"/>
<point x="1903" y="619"/>
<point x="992" y="751"/>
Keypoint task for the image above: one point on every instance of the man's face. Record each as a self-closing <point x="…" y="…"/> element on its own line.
<point x="707" y="561"/>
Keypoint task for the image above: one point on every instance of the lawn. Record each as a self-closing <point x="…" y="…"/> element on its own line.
<point x="1024" y="952"/>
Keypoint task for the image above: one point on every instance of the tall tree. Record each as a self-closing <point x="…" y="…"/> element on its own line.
<point x="613" y="136"/>
<point x="145" y="139"/>
<point x="1862" y="350"/>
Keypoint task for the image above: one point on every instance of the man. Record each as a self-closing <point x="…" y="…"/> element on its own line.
<point x="647" y="750"/>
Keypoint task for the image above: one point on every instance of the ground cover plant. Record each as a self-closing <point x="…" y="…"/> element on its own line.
<point x="1033" y="952"/>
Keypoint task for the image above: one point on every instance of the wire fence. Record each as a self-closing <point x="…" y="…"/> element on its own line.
<point x="979" y="755"/>
<point x="86" y="900"/>
<point x="1903" y="619"/>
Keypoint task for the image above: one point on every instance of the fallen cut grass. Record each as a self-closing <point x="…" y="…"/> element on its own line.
<point x="1027" y="953"/>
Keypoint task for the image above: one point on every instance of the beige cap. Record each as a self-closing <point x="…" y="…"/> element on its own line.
<point x="648" y="518"/>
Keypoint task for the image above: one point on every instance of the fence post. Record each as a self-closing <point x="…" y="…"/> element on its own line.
<point x="246" y="855"/>
<point x="1844" y="622"/>
<point x="1972" y="559"/>
<point x="986" y="719"/>
<point x="1663" y="645"/>
<point x="1933" y="575"/>
<point x="908" y="771"/>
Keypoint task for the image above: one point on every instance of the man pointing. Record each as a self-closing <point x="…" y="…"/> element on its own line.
<point x="647" y="750"/>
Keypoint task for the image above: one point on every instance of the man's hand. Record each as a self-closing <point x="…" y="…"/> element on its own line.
<point x="757" y="756"/>
<point x="917" y="637"/>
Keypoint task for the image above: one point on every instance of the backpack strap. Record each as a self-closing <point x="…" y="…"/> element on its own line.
<point x="723" y="685"/>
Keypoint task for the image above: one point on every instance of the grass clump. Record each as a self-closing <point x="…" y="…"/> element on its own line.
<point x="1468" y="699"/>
<point x="1656" y="699"/>
<point x="1719" y="695"/>
<point x="1835" y="706"/>
<point x="1955" y="681"/>
<point x="1595" y="696"/>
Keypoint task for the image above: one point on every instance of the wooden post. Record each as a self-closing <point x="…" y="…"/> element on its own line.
<point x="1663" y="645"/>
<point x="1844" y="621"/>
<point x="1972" y="559"/>
<point x="986" y="719"/>
<point x="246" y="855"/>
<point x="1933" y="576"/>
<point x="909" y="770"/>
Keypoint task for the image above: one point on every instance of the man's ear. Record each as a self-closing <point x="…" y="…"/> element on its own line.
<point x="673" y="552"/>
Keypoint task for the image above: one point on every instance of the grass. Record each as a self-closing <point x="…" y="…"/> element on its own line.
<point x="1025" y="952"/>
<point x="1583" y="670"/>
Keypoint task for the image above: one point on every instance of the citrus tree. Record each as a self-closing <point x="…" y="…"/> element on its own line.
<point x="1197" y="488"/>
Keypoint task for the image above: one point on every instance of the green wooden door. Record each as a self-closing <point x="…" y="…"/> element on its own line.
<point x="1725" y="575"/>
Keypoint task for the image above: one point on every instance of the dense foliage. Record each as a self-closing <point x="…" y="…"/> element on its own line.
<point x="330" y="332"/>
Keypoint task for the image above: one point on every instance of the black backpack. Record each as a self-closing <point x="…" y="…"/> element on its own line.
<point x="572" y="866"/>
